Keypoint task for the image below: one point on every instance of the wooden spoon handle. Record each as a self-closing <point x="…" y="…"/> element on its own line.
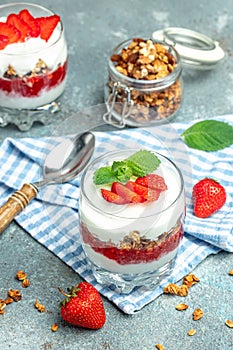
<point x="15" y="204"/>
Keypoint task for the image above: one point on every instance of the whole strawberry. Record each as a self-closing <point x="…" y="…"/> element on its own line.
<point x="208" y="197"/>
<point x="83" y="306"/>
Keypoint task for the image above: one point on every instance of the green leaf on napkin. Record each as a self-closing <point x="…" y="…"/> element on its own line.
<point x="209" y="135"/>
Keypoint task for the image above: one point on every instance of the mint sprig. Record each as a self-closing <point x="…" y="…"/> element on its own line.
<point x="143" y="162"/>
<point x="122" y="171"/>
<point x="140" y="163"/>
<point x="104" y="175"/>
<point x="209" y="135"/>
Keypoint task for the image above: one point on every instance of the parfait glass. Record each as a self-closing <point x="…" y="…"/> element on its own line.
<point x="136" y="244"/>
<point x="32" y="71"/>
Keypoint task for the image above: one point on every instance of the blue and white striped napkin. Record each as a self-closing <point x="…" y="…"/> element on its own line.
<point x="52" y="218"/>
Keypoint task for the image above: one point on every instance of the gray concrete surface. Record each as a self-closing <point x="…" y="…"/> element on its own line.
<point x="93" y="28"/>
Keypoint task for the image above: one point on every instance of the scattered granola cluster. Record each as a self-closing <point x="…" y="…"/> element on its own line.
<point x="188" y="281"/>
<point x="159" y="346"/>
<point x="40" y="307"/>
<point x="150" y="62"/>
<point x="14" y="295"/>
<point x="172" y="288"/>
<point x="197" y="314"/>
<point x="22" y="276"/>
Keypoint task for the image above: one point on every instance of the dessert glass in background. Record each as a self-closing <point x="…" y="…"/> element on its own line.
<point x="33" y="64"/>
<point x="131" y="245"/>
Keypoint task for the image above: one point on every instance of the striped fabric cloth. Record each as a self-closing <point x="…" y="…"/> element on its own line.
<point x="52" y="218"/>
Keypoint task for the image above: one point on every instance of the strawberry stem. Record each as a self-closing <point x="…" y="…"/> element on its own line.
<point x="63" y="293"/>
<point x="72" y="292"/>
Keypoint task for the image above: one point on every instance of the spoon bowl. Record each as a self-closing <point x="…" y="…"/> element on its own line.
<point x="67" y="159"/>
<point x="62" y="164"/>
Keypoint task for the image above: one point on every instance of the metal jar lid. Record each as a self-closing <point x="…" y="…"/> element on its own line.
<point x="195" y="49"/>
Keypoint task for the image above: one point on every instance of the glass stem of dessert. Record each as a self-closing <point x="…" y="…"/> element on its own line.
<point x="33" y="60"/>
<point x="131" y="218"/>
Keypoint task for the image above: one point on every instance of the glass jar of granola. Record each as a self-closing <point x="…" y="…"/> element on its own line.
<point x="144" y="84"/>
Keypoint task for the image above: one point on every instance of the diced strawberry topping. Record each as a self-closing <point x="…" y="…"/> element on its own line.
<point x="12" y="33"/>
<point x="31" y="22"/>
<point x="153" y="181"/>
<point x="4" y="40"/>
<point x="47" y="25"/>
<point x="19" y="24"/>
<point x="148" y="193"/>
<point x="112" y="197"/>
<point x="126" y="193"/>
<point x="144" y="189"/>
<point x="22" y="26"/>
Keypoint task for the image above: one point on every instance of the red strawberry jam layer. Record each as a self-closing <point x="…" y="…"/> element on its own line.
<point x="135" y="249"/>
<point x="32" y="86"/>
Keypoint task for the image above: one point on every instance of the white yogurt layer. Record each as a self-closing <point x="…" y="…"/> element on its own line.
<point x="113" y="222"/>
<point x="112" y="266"/>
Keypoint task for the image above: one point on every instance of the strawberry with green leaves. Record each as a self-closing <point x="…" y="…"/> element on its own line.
<point x="208" y="197"/>
<point x="83" y="307"/>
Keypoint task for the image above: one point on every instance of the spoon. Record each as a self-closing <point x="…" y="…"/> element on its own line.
<point x="62" y="164"/>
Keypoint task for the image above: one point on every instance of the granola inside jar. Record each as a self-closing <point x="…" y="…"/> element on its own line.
<point x="144" y="83"/>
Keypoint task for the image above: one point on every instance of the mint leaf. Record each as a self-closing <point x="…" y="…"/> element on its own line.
<point x="119" y="171"/>
<point x="143" y="162"/>
<point x="140" y="163"/>
<point x="122" y="171"/>
<point x="209" y="135"/>
<point x="104" y="175"/>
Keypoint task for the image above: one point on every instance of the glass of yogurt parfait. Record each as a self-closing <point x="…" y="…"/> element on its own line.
<point x="33" y="63"/>
<point x="131" y="209"/>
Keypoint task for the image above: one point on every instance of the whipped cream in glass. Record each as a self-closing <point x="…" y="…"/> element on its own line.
<point x="33" y="72"/>
<point x="134" y="244"/>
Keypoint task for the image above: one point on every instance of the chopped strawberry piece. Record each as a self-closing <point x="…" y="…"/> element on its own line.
<point x="126" y="193"/>
<point x="10" y="31"/>
<point x="47" y="25"/>
<point x="19" y="24"/>
<point x="149" y="194"/>
<point x="4" y="41"/>
<point x="31" y="22"/>
<point x="112" y="197"/>
<point x="153" y="181"/>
